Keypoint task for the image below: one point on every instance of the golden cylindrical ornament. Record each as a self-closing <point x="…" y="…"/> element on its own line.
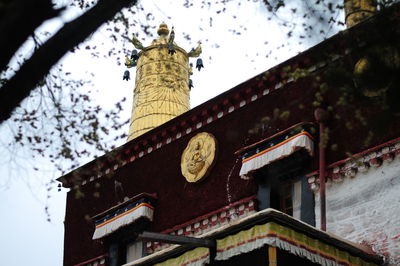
<point x="358" y="10"/>
<point x="161" y="86"/>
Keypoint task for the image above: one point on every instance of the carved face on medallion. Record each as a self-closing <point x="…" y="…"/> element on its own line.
<point x="198" y="157"/>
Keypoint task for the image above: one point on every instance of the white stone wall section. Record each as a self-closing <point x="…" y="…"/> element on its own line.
<point x="365" y="209"/>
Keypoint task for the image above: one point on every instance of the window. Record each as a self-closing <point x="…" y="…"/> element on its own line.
<point x="282" y="186"/>
<point x="134" y="251"/>
<point x="286" y="197"/>
<point x="124" y="247"/>
<point x="123" y="252"/>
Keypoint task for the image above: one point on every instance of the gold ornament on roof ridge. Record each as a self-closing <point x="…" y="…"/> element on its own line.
<point x="163" y="29"/>
<point x="162" y="84"/>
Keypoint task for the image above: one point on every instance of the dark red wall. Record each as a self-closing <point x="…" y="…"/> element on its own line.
<point x="179" y="201"/>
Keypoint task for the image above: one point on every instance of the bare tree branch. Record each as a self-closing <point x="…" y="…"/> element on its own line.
<point x="71" y="34"/>
<point x="18" y="21"/>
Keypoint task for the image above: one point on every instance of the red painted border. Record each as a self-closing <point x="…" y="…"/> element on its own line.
<point x="181" y="226"/>
<point x="357" y="155"/>
<point x="92" y="260"/>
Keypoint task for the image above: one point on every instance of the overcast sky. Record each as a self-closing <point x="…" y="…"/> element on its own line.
<point x="26" y="237"/>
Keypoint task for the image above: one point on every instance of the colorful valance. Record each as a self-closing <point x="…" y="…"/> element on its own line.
<point x="125" y="215"/>
<point x="285" y="238"/>
<point x="276" y="148"/>
<point x="270" y="228"/>
<point x="196" y="257"/>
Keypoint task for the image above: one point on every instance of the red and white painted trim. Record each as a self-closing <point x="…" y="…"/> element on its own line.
<point x="97" y="261"/>
<point x="358" y="163"/>
<point x="204" y="117"/>
<point x="208" y="222"/>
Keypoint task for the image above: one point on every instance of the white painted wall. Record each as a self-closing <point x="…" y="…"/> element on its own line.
<point x="366" y="209"/>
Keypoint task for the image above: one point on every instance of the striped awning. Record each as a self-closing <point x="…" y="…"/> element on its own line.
<point x="267" y="228"/>
<point x="196" y="257"/>
<point x="123" y="215"/>
<point x="278" y="147"/>
<point x="282" y="237"/>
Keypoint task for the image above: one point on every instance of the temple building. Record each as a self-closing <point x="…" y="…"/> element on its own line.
<point x="299" y="165"/>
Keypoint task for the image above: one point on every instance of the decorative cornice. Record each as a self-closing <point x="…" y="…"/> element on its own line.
<point x="208" y="222"/>
<point x="358" y="163"/>
<point x="207" y="113"/>
<point x="97" y="261"/>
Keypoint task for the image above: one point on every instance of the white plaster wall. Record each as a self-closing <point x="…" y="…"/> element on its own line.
<point x="366" y="209"/>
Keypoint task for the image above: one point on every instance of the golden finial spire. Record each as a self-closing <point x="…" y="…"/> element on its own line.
<point x="163" y="29"/>
<point x="358" y="10"/>
<point x="162" y="82"/>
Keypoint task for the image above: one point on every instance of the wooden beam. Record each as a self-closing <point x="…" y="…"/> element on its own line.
<point x="181" y="240"/>
<point x="272" y="256"/>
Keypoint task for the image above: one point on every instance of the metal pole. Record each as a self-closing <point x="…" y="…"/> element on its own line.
<point x="322" y="181"/>
<point x="181" y="240"/>
<point x="321" y="115"/>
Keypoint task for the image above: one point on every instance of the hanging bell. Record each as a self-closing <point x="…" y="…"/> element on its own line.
<point x="134" y="55"/>
<point x="171" y="49"/>
<point x="190" y="84"/>
<point x="199" y="64"/>
<point x="126" y="75"/>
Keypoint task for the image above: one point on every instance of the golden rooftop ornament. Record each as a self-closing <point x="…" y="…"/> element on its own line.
<point x="162" y="81"/>
<point x="358" y="10"/>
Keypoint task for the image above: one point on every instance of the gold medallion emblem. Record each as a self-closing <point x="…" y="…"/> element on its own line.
<point x="198" y="157"/>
